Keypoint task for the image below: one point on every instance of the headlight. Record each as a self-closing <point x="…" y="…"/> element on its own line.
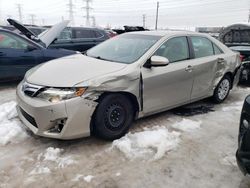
<point x="58" y="94"/>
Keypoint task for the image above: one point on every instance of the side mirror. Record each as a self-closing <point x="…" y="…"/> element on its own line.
<point x="158" y="61"/>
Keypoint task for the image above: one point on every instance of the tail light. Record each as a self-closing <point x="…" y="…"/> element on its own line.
<point x="242" y="57"/>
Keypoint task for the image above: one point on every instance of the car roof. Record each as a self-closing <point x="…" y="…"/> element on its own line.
<point x="163" y="33"/>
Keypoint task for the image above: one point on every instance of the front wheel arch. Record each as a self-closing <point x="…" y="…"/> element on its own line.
<point x="131" y="97"/>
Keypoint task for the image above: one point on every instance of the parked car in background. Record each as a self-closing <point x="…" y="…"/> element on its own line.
<point x="243" y="151"/>
<point x="19" y="53"/>
<point x="129" y="76"/>
<point x="237" y="38"/>
<point x="79" y="38"/>
<point x="129" y="29"/>
<point x="111" y="33"/>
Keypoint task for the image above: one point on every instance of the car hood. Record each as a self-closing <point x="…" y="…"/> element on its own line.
<point x="46" y="37"/>
<point x="71" y="70"/>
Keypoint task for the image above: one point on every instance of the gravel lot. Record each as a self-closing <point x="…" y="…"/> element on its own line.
<point x="159" y="151"/>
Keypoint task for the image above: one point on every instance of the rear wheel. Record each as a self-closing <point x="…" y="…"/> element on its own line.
<point x="222" y="90"/>
<point x="113" y="117"/>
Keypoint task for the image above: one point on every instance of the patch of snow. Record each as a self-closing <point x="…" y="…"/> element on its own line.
<point x="40" y="170"/>
<point x="11" y="128"/>
<point x="78" y="177"/>
<point x="88" y="178"/>
<point x="154" y="143"/>
<point x="236" y="106"/>
<point x="55" y="155"/>
<point x="81" y="177"/>
<point x="187" y="125"/>
<point x="118" y="174"/>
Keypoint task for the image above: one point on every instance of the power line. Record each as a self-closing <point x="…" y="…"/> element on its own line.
<point x="87" y="8"/>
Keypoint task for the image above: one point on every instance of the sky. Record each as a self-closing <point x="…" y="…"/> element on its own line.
<point x="116" y="13"/>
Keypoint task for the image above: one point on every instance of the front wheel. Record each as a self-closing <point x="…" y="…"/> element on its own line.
<point x="222" y="90"/>
<point x="113" y="116"/>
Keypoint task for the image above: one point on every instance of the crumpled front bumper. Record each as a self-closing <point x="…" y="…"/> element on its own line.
<point x="73" y="115"/>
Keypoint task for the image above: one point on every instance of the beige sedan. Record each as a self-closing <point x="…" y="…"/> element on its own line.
<point x="127" y="77"/>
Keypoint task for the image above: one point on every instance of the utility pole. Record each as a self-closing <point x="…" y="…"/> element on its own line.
<point x="32" y="18"/>
<point x="87" y="8"/>
<point x="43" y="22"/>
<point x="93" y="21"/>
<point x="71" y="12"/>
<point x="144" y="20"/>
<point x="157" y="10"/>
<point x="0" y="13"/>
<point x="19" y="8"/>
<point x="249" y="17"/>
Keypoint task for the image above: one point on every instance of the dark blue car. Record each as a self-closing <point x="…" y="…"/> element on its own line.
<point x="19" y="53"/>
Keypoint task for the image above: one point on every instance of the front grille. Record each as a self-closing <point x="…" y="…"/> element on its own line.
<point x="30" y="89"/>
<point x="28" y="118"/>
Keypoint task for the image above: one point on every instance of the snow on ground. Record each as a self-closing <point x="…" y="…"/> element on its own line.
<point x="11" y="128"/>
<point x="148" y="143"/>
<point x="52" y="158"/>
<point x="87" y="178"/>
<point x="55" y="155"/>
<point x="236" y="106"/>
<point x="187" y="125"/>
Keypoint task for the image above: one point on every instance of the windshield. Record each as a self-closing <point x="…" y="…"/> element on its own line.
<point x="125" y="48"/>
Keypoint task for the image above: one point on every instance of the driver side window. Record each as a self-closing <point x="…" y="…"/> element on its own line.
<point x="175" y="49"/>
<point x="8" y="40"/>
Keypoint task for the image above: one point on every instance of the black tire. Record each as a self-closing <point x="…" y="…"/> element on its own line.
<point x="221" y="94"/>
<point x="113" y="117"/>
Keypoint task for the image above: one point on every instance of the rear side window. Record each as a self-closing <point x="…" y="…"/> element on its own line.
<point x="217" y="50"/>
<point x="202" y="47"/>
<point x="83" y="33"/>
<point x="175" y="49"/>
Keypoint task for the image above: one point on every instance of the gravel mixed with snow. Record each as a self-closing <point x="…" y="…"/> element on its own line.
<point x="148" y="143"/>
<point x="11" y="128"/>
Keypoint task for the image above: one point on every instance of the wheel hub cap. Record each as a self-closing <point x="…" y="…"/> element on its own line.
<point x="223" y="89"/>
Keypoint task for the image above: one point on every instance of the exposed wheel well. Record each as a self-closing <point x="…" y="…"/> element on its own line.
<point x="130" y="96"/>
<point x="231" y="76"/>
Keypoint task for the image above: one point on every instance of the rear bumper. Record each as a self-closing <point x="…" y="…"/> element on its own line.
<point x="73" y="115"/>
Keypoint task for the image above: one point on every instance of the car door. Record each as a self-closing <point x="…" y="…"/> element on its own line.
<point x="17" y="55"/>
<point x="208" y="59"/>
<point x="171" y="85"/>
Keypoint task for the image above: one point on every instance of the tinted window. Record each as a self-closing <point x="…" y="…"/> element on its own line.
<point x="175" y="49"/>
<point x="83" y="33"/>
<point x="8" y="40"/>
<point x="202" y="47"/>
<point x="217" y="50"/>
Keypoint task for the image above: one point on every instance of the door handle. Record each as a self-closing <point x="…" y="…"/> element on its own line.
<point x="189" y="68"/>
